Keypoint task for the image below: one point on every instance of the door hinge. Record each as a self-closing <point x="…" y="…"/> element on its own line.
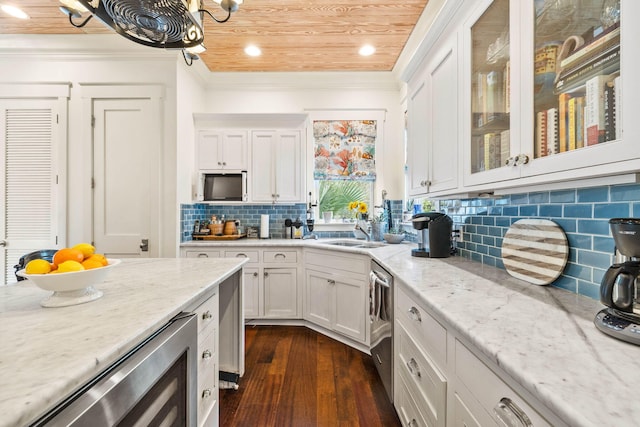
<point x="56" y="240"/>
<point x="56" y="179"/>
<point x="57" y="119"/>
<point x="93" y="183"/>
<point x="93" y="121"/>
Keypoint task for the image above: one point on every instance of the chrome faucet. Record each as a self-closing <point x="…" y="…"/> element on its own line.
<point x="368" y="238"/>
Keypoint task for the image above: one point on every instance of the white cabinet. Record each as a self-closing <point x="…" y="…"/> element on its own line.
<point x="270" y="282"/>
<point x="208" y="321"/>
<point x="222" y="150"/>
<point x="481" y="395"/>
<point x="420" y="344"/>
<point x="276" y="159"/>
<point x="433" y="121"/>
<point x="336" y="293"/>
<point x="547" y="130"/>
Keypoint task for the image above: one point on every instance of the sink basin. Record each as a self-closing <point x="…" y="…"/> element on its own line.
<point x="355" y="243"/>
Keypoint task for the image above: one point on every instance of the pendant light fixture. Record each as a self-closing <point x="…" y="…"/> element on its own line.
<point x="168" y="24"/>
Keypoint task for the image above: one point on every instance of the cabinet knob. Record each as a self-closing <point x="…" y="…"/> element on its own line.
<point x="511" y="161"/>
<point x="331" y="281"/>
<point x="266" y="274"/>
<point x="206" y="354"/>
<point x="510" y="414"/>
<point x="219" y="164"/>
<point x="224" y="163"/>
<point x="207" y="315"/>
<point x="414" y="313"/>
<point x="522" y="159"/>
<point x="255" y="274"/>
<point x="206" y="393"/>
<point x="412" y="423"/>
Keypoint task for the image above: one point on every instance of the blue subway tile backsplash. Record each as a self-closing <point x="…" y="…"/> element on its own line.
<point x="582" y="213"/>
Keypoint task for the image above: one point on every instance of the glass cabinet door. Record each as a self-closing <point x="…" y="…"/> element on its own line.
<point x="490" y="89"/>
<point x="576" y="74"/>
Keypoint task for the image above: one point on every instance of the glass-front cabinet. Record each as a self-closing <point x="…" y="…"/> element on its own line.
<point x="544" y="92"/>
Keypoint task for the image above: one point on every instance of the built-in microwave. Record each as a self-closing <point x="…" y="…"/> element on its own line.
<point x="222" y="187"/>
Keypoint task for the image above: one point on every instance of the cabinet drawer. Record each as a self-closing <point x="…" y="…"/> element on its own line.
<point x="252" y="255"/>
<point x="407" y="407"/>
<point x="426" y="331"/>
<point x="207" y="384"/>
<point x="428" y="387"/>
<point x="207" y="313"/>
<point x="342" y="261"/>
<point x="280" y="257"/>
<point x="488" y="389"/>
<point x="201" y="253"/>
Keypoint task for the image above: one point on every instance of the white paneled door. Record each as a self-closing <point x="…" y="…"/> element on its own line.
<point x="125" y="152"/>
<point x="32" y="214"/>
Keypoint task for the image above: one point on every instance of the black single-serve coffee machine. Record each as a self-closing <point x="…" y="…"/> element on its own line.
<point x="620" y="286"/>
<point x="434" y="234"/>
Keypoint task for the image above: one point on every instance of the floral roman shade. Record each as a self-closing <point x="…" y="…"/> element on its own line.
<point x="344" y="149"/>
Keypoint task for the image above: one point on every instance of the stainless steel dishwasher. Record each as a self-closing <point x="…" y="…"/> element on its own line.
<point x="381" y="323"/>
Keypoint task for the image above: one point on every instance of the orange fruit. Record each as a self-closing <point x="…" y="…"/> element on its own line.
<point x="89" y="264"/>
<point x="38" y="266"/>
<point x="70" y="265"/>
<point x="67" y="254"/>
<point x="87" y="249"/>
<point x="100" y="258"/>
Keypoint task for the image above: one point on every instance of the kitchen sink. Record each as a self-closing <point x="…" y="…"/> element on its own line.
<point x="355" y="243"/>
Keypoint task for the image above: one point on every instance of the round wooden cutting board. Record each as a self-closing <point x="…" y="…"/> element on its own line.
<point x="535" y="250"/>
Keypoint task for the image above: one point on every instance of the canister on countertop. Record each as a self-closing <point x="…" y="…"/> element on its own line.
<point x="297" y="229"/>
<point x="287" y="228"/>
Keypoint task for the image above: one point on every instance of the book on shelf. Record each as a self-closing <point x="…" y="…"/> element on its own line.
<point x="552" y="131"/>
<point x="617" y="92"/>
<point x="609" y="111"/>
<point x="579" y="121"/>
<point x="506" y="80"/>
<point x="595" y="108"/>
<point x="505" y="146"/>
<point x="492" y="151"/>
<point x="563" y="131"/>
<point x="589" y="50"/>
<point x="608" y="62"/>
<point x="541" y="149"/>
<point x="571" y="124"/>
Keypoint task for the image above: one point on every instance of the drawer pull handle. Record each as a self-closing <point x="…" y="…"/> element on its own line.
<point x="278" y="255"/>
<point x="207" y="315"/>
<point x="414" y="313"/>
<point x="510" y="414"/>
<point x="241" y="256"/>
<point x="412" y="423"/>
<point x="203" y="256"/>
<point x="206" y="393"/>
<point x="206" y="354"/>
<point x="414" y="368"/>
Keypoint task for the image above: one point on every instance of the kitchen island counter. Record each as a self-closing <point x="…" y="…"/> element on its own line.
<point x="542" y="337"/>
<point x="49" y="352"/>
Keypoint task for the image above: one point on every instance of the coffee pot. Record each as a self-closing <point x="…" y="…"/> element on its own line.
<point x="434" y="234"/>
<point x="619" y="286"/>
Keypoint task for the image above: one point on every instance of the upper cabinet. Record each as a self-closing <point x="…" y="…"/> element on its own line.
<point x="433" y="121"/>
<point x="222" y="150"/>
<point x="543" y="91"/>
<point x="276" y="174"/>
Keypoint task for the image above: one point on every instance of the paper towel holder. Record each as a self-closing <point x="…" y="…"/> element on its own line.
<point x="264" y="226"/>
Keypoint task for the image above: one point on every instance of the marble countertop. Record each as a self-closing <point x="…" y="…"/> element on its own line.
<point x="46" y="353"/>
<point x="542" y="337"/>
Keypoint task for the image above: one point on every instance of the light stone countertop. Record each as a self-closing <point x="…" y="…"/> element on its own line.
<point x="46" y="353"/>
<point x="542" y="337"/>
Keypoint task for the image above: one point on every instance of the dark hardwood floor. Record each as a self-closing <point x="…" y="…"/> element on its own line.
<point x="297" y="377"/>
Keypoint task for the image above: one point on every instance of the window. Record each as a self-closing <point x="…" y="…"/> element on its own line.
<point x="344" y="165"/>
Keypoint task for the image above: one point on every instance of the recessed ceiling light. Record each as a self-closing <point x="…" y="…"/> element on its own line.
<point x="252" y="50"/>
<point x="367" y="50"/>
<point x="14" y="11"/>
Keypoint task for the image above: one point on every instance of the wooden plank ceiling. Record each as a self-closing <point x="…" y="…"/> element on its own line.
<point x="294" y="35"/>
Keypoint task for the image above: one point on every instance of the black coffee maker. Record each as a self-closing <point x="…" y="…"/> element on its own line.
<point x="434" y="234"/>
<point x="619" y="288"/>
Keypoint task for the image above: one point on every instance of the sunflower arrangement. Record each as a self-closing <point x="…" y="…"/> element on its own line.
<point x="360" y="209"/>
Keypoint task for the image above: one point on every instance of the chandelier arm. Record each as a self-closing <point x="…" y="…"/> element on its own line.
<point x="80" y="25"/>
<point x="187" y="60"/>
<point x="220" y="21"/>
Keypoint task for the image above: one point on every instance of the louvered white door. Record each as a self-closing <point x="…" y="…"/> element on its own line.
<point x="32" y="210"/>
